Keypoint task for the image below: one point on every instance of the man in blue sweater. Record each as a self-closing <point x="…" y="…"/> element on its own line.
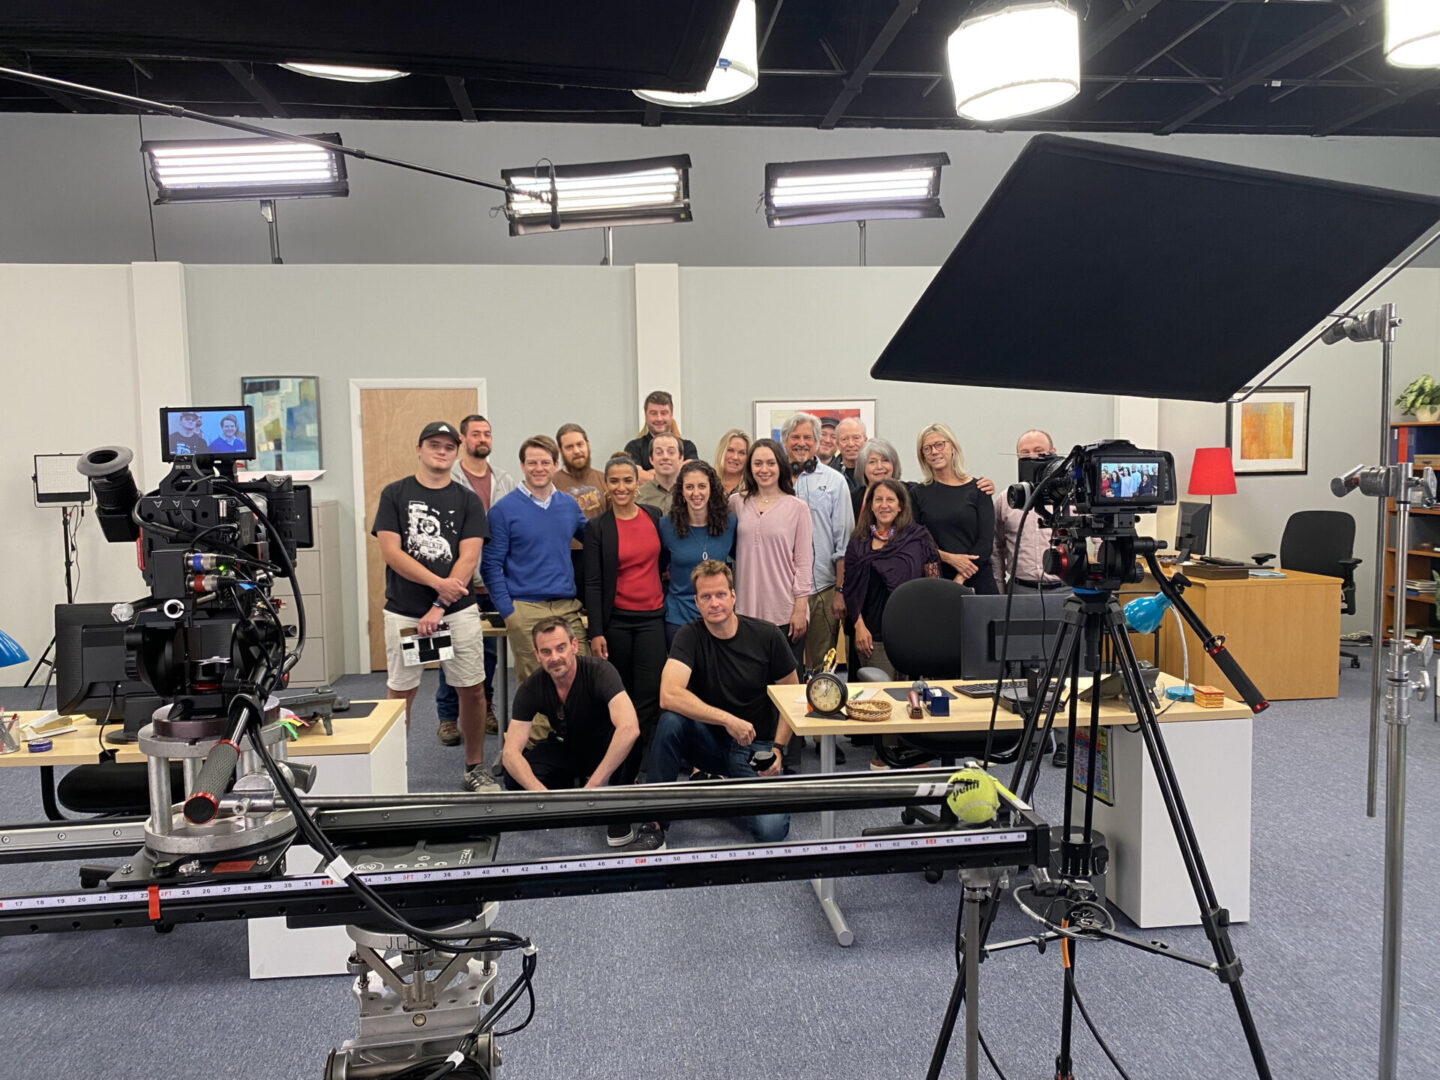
<point x="526" y="562"/>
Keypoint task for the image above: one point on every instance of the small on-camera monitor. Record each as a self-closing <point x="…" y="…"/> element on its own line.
<point x="1034" y="623"/>
<point x="90" y="673"/>
<point x="1191" y="533"/>
<point x="225" y="433"/>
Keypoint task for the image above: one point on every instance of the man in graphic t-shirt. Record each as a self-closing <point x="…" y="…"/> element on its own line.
<point x="187" y="439"/>
<point x="431" y="530"/>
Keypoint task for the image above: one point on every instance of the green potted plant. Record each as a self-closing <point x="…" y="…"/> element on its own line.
<point x="1421" y="399"/>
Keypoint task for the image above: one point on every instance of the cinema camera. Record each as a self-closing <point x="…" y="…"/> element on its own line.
<point x="208" y="639"/>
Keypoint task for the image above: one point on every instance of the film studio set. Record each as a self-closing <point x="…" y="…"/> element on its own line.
<point x="659" y="711"/>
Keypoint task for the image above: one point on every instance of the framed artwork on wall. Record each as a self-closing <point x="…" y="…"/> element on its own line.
<point x="1269" y="432"/>
<point x="287" y="420"/>
<point x="770" y="416"/>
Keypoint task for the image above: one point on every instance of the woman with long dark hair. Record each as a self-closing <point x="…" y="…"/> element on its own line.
<point x="774" y="561"/>
<point x="699" y="526"/>
<point x="625" y="602"/>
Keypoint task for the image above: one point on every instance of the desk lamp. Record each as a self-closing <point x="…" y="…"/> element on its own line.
<point x="1213" y="473"/>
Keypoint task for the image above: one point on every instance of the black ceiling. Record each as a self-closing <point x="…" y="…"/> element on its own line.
<point x="1298" y="67"/>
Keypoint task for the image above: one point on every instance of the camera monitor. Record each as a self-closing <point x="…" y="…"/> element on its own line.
<point x="90" y="676"/>
<point x="225" y="433"/>
<point x="1035" y="620"/>
<point x="1131" y="480"/>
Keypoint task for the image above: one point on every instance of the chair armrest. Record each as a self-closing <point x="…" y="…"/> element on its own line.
<point x="1262" y="557"/>
<point x="1351" y="563"/>
<point x="872" y="674"/>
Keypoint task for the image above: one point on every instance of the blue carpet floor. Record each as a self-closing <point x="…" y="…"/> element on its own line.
<point x="747" y="982"/>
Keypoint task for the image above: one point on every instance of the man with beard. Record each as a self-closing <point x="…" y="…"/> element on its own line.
<point x="473" y="469"/>
<point x="659" y="420"/>
<point x="582" y="483"/>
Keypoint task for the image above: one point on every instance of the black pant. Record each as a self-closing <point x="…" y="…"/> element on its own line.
<point x="797" y="649"/>
<point x="558" y="763"/>
<point x="983" y="581"/>
<point x="636" y="640"/>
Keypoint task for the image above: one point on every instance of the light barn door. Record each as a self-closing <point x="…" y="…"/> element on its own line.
<point x="391" y="419"/>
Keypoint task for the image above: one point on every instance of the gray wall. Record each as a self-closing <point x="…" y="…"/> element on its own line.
<point x="75" y="192"/>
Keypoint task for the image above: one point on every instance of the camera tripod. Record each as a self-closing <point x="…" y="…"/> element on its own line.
<point x="1092" y="618"/>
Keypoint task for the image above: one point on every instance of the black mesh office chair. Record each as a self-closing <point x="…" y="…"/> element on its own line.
<point x="1321" y="542"/>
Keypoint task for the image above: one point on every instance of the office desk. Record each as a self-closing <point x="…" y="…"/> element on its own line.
<point x="1210" y="749"/>
<point x="365" y="756"/>
<point x="1285" y="633"/>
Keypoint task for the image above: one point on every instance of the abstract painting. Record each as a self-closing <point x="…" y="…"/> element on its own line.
<point x="770" y="416"/>
<point x="287" y="420"/>
<point x="1269" y="431"/>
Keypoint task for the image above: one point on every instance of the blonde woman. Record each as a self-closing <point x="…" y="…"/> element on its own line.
<point x="730" y="455"/>
<point x="959" y="515"/>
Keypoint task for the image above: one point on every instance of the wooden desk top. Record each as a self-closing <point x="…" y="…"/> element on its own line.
<point x="973" y="714"/>
<point x="359" y="735"/>
<point x="1291" y="579"/>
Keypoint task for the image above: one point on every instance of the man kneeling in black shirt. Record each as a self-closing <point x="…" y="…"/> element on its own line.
<point x="713" y="690"/>
<point x="592" y="721"/>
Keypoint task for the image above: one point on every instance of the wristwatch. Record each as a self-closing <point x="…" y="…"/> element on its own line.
<point x="438" y="604"/>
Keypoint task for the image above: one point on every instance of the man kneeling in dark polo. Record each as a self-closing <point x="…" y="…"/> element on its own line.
<point x="592" y="721"/>
<point x="717" y="714"/>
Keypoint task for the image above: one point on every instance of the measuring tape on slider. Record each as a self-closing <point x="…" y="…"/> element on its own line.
<point x="156" y="898"/>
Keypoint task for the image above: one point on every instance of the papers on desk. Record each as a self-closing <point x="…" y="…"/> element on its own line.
<point x="1259" y="572"/>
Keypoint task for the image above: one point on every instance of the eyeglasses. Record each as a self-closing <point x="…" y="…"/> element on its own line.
<point x="935" y="447"/>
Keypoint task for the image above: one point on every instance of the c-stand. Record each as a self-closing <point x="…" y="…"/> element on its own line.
<point x="1092" y="617"/>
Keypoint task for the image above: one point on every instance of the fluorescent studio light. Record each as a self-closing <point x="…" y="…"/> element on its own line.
<point x="853" y="189"/>
<point x="1017" y="59"/>
<point x="242" y="169"/>
<point x="344" y="72"/>
<point x="647" y="191"/>
<point x="736" y="73"/>
<point x="1412" y="33"/>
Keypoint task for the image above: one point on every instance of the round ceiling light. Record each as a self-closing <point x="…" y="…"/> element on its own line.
<point x="736" y="73"/>
<point x="1412" y="33"/>
<point x="1015" y="59"/>
<point x="344" y="72"/>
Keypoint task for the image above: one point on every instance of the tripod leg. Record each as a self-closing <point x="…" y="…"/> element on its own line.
<point x="1214" y="918"/>
<point x="982" y="915"/>
<point x="1062" y="658"/>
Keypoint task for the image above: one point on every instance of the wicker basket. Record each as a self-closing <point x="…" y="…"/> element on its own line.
<point x="870" y="711"/>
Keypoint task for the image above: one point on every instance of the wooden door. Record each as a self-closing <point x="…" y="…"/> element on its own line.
<point x="391" y="419"/>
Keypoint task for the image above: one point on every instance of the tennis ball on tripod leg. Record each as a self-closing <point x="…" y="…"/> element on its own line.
<point x="973" y="796"/>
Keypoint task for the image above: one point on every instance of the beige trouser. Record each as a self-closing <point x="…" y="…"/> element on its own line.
<point x="522" y="648"/>
<point x="820" y="637"/>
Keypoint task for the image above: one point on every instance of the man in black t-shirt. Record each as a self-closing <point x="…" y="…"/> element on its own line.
<point x="718" y="715"/>
<point x="592" y="721"/>
<point x="430" y="530"/>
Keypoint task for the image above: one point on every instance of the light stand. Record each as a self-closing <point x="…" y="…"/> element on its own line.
<point x="57" y="483"/>
<point x="1399" y="483"/>
<point x="267" y="211"/>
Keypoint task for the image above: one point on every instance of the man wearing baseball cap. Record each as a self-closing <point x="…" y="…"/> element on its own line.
<point x="430" y="530"/>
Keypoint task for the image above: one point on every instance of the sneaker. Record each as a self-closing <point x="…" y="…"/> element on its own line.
<point x="619" y="833"/>
<point x="492" y="726"/>
<point x="876" y="765"/>
<point x="478" y="779"/>
<point x="650" y="837"/>
<point x="1061" y="757"/>
<point x="449" y="733"/>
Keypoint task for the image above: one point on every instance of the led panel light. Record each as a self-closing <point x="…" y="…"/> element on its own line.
<point x="1014" y="60"/>
<point x="736" y="73"/>
<point x="853" y="189"/>
<point x="344" y="72"/>
<point x="1412" y="33"/>
<point x="230" y="170"/>
<point x="647" y="191"/>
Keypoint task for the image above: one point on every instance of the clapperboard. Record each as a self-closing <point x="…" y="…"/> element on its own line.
<point x="417" y="651"/>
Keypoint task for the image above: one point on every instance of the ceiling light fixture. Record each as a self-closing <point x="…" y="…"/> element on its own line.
<point x="1013" y="59"/>
<point x="853" y="189"/>
<point x="344" y="72"/>
<point x="1412" y="33"/>
<point x="646" y="191"/>
<point x="230" y="170"/>
<point x="736" y="73"/>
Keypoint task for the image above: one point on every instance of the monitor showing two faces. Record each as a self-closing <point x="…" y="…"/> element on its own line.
<point x="225" y="432"/>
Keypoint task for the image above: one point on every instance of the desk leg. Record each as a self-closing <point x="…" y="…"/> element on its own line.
<point x="825" y="887"/>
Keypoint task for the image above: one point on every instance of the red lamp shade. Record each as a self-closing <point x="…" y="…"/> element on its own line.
<point x="1213" y="472"/>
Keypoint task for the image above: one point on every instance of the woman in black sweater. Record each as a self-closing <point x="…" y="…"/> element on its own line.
<point x="960" y="517"/>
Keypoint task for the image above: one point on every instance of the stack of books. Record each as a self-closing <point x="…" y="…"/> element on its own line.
<point x="1209" y="697"/>
<point x="1417" y="587"/>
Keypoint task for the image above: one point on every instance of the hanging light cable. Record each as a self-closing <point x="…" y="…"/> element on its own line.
<point x="1014" y="59"/>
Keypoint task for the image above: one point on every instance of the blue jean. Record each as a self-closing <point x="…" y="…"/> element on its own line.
<point x="710" y="748"/>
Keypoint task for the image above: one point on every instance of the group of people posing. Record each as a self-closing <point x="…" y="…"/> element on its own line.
<point x="648" y="604"/>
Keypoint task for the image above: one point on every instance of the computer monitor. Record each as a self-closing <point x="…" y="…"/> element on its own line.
<point x="1034" y="624"/>
<point x="1194" y="524"/>
<point x="90" y="676"/>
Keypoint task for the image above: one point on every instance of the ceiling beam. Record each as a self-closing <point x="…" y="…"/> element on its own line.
<point x="72" y="104"/>
<point x="1348" y="18"/>
<point x="769" y="29"/>
<point x="1380" y="106"/>
<point x="1117" y="25"/>
<point x="461" y="97"/>
<point x="255" y="88"/>
<point x="856" y="79"/>
<point x="1172" y="43"/>
<point x="1347" y="58"/>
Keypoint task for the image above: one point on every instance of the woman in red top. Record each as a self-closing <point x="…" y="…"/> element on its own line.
<point x="625" y="600"/>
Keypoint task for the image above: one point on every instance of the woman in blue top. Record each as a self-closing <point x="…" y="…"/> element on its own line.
<point x="699" y="526"/>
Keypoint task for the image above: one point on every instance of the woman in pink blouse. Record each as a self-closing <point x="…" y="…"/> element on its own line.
<point x="773" y="556"/>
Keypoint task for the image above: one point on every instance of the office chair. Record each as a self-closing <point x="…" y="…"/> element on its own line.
<point x="109" y="789"/>
<point x="1321" y="542"/>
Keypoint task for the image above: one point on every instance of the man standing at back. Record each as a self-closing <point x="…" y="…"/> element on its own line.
<point x="431" y="531"/>
<point x="659" y="491"/>
<point x="527" y="565"/>
<point x="850" y="436"/>
<point x="1030" y="565"/>
<point x="659" y="420"/>
<point x="584" y="484"/>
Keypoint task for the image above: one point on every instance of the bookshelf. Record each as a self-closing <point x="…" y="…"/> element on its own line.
<point x="1417" y="442"/>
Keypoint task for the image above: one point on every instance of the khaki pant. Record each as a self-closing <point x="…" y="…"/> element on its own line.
<point x="522" y="647"/>
<point x="824" y="626"/>
<point x="878" y="658"/>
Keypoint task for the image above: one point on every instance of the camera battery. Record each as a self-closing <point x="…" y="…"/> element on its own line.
<point x="417" y="651"/>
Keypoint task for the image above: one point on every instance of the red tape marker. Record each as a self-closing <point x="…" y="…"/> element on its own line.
<point x="154" y="891"/>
